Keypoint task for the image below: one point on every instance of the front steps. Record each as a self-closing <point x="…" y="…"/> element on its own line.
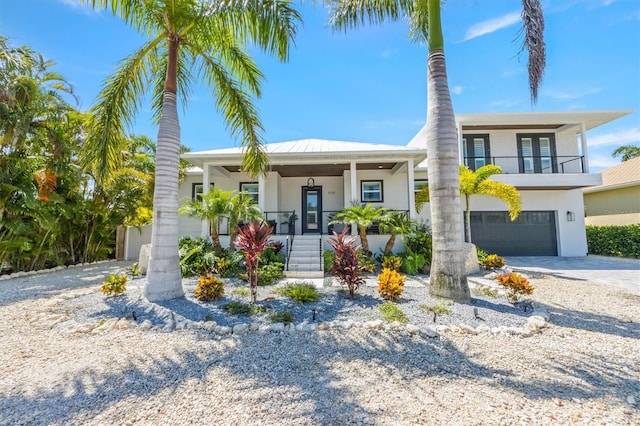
<point x="305" y="260"/>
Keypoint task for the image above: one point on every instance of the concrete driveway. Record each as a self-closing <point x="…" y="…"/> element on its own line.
<point x="613" y="271"/>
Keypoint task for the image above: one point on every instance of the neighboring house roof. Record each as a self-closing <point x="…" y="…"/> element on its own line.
<point x="622" y="175"/>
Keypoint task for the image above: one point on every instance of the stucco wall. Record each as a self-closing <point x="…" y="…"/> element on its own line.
<point x="613" y="202"/>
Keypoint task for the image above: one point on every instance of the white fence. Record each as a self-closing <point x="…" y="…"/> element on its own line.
<point x="135" y="237"/>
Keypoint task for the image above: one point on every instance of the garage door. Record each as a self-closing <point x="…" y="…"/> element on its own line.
<point x="533" y="233"/>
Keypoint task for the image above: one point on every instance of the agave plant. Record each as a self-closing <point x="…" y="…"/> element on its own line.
<point x="253" y="239"/>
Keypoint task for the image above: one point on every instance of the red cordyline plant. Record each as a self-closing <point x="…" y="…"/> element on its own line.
<point x="345" y="262"/>
<point x="253" y="239"/>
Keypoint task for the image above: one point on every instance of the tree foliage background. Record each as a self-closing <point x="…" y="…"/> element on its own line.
<point x="52" y="210"/>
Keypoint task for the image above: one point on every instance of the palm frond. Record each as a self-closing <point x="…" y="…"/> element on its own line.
<point x="505" y="192"/>
<point x="347" y="14"/>
<point x="117" y="105"/>
<point x="533" y="29"/>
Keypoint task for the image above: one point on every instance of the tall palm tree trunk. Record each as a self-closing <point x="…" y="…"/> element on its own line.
<point x="164" y="281"/>
<point x="467" y="215"/>
<point x="447" y="278"/>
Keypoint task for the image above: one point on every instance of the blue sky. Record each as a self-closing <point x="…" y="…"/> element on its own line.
<point x="369" y="85"/>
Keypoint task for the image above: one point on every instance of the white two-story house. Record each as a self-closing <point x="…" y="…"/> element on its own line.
<point x="544" y="155"/>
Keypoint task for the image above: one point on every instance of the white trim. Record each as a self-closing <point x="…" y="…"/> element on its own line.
<point x="411" y="190"/>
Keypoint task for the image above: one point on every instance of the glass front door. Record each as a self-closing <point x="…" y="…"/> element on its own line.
<point x="311" y="209"/>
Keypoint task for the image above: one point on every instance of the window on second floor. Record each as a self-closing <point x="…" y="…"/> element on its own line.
<point x="371" y="191"/>
<point x="475" y="150"/>
<point x="250" y="188"/>
<point x="537" y="153"/>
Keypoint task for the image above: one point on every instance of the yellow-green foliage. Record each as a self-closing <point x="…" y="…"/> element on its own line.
<point x="114" y="284"/>
<point x="440" y="309"/>
<point x="222" y="264"/>
<point x="390" y="312"/>
<point x="493" y="261"/>
<point x="392" y="262"/>
<point x="210" y="288"/>
<point x="516" y="285"/>
<point x="390" y="284"/>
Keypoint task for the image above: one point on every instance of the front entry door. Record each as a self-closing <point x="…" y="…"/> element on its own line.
<point x="311" y="209"/>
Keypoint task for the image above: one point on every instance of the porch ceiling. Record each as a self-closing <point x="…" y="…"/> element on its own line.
<point x="298" y="170"/>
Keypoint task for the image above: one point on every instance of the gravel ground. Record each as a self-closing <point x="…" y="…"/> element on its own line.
<point x="583" y="368"/>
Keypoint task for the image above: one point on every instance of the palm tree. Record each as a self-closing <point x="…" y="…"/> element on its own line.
<point x="395" y="223"/>
<point x="447" y="277"/>
<point x="241" y="208"/>
<point x="211" y="207"/>
<point x="626" y="152"/>
<point x="187" y="39"/>
<point x="363" y="216"/>
<point x="478" y="182"/>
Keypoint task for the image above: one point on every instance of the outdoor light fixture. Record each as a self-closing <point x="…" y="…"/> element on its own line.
<point x="311" y="182"/>
<point x="571" y="217"/>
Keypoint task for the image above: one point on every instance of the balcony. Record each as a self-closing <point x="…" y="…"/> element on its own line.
<point x="531" y="164"/>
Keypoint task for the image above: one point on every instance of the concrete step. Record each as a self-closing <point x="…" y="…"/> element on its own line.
<point x="304" y="274"/>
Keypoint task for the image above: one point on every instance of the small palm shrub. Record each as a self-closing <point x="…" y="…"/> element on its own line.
<point x="392" y="262"/>
<point x="114" y="284"/>
<point x="516" y="286"/>
<point x="196" y="256"/>
<point x="301" y="293"/>
<point x="390" y="284"/>
<point x="210" y="288"/>
<point x="285" y="317"/>
<point x="345" y="263"/>
<point x="493" y="261"/>
<point x="390" y="312"/>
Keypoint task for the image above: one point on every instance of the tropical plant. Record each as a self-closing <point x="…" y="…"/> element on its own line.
<point x="210" y="288"/>
<point x="395" y="223"/>
<point x="363" y="216"/>
<point x="114" y="285"/>
<point x="516" y="285"/>
<point x="252" y="240"/>
<point x="196" y="256"/>
<point x="300" y="292"/>
<point x="390" y="284"/>
<point x="270" y="273"/>
<point x="211" y="207"/>
<point x="626" y="152"/>
<point x="285" y="317"/>
<point x="188" y="39"/>
<point x="392" y="313"/>
<point x="391" y="262"/>
<point x="419" y="242"/>
<point x="493" y="261"/>
<point x="345" y="261"/>
<point x="478" y="183"/>
<point x="447" y="278"/>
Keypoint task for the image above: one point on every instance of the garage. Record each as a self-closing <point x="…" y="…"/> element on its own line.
<point x="533" y="233"/>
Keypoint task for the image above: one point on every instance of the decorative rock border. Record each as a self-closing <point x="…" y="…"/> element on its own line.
<point x="57" y="268"/>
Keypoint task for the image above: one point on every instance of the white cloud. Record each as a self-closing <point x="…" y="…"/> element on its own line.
<point x="492" y="25"/>
<point x="78" y="5"/>
<point x="568" y="95"/>
<point x="599" y="162"/>
<point x="457" y="90"/>
<point x="389" y="53"/>
<point x="621" y="137"/>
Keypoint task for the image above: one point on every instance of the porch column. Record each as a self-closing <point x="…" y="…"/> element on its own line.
<point x="205" y="191"/>
<point x="583" y="142"/>
<point x="354" y="192"/>
<point x="262" y="184"/>
<point x="410" y="188"/>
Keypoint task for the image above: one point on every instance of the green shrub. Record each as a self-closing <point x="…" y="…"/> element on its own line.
<point x="114" y="284"/>
<point x="328" y="260"/>
<point x="269" y="273"/>
<point x="285" y="317"/>
<point x="621" y="241"/>
<point x="420" y="242"/>
<point x="413" y="263"/>
<point x="196" y="256"/>
<point x="240" y="308"/>
<point x="482" y="255"/>
<point x="365" y="263"/>
<point x="390" y="284"/>
<point x="241" y="291"/>
<point x="271" y="255"/>
<point x="210" y="288"/>
<point x="390" y="312"/>
<point x="302" y="293"/>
